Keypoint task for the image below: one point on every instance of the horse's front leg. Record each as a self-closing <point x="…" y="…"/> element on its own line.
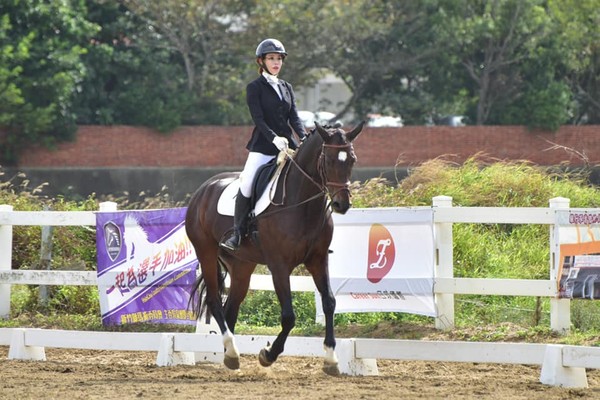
<point x="328" y="303"/>
<point x="320" y="273"/>
<point x="281" y="282"/>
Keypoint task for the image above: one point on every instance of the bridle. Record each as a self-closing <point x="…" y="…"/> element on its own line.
<point x="345" y="186"/>
<point x="322" y="171"/>
<point x="322" y="186"/>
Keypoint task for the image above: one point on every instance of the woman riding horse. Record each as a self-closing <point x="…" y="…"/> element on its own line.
<point x="273" y="109"/>
<point x="296" y="229"/>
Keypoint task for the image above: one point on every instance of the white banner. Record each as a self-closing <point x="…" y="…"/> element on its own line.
<point x="383" y="260"/>
<point x="578" y="237"/>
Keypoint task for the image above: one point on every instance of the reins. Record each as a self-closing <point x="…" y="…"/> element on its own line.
<point x="323" y="187"/>
<point x="322" y="192"/>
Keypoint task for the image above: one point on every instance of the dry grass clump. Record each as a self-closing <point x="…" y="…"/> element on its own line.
<point x="481" y="183"/>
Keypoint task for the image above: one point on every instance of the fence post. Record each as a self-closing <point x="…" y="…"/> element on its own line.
<point x="45" y="257"/>
<point x="107" y="206"/>
<point x="560" y="309"/>
<point x="6" y="239"/>
<point x="444" y="266"/>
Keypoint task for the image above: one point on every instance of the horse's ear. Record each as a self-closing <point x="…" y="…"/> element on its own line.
<point x="354" y="132"/>
<point x="322" y="131"/>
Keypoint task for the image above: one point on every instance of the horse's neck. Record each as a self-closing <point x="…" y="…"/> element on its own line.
<point x="304" y="179"/>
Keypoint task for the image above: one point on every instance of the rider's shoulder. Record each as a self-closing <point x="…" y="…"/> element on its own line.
<point x="256" y="83"/>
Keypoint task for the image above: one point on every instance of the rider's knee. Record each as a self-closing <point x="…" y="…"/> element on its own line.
<point x="245" y="185"/>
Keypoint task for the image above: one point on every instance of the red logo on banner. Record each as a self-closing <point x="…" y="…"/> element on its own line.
<point x="382" y="253"/>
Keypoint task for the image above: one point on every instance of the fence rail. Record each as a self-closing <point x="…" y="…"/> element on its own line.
<point x="499" y="287"/>
<point x="445" y="284"/>
<point x="561" y="365"/>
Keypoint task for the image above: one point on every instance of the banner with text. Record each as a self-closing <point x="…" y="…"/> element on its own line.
<point x="146" y="267"/>
<point x="383" y="260"/>
<point x="578" y="238"/>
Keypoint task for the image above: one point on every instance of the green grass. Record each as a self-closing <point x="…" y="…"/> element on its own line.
<point x="480" y="251"/>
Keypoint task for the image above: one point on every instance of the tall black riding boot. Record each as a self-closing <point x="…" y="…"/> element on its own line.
<point x="242" y="208"/>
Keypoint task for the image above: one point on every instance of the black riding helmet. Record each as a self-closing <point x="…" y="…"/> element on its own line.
<point x="270" y="46"/>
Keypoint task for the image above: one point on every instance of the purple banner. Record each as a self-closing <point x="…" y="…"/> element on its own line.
<point x="146" y="267"/>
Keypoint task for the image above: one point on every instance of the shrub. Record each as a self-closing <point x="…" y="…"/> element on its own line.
<point x="480" y="250"/>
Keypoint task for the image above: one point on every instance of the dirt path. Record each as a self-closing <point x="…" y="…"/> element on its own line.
<point x="83" y="374"/>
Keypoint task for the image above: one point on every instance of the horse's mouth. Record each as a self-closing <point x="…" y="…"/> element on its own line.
<point x="340" y="207"/>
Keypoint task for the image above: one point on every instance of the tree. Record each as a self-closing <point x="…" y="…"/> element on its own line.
<point x="378" y="47"/>
<point x="394" y="64"/>
<point x="544" y="99"/>
<point x="174" y="62"/>
<point x="577" y="29"/>
<point x="41" y="43"/>
<point x="165" y="64"/>
<point x="128" y="83"/>
<point x="491" y="39"/>
<point x="302" y="26"/>
<point x="11" y="97"/>
<point x="204" y="35"/>
<point x="371" y="45"/>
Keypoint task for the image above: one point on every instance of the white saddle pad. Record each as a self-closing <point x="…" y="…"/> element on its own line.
<point x="226" y="204"/>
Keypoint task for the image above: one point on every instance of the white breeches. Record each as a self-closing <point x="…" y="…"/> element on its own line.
<point x="253" y="163"/>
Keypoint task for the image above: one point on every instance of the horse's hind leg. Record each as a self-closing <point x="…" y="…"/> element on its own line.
<point x="240" y="274"/>
<point x="211" y="271"/>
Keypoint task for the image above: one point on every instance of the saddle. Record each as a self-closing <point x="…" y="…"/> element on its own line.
<point x="261" y="180"/>
<point x="262" y="189"/>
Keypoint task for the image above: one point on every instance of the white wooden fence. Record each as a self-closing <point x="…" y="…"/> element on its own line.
<point x="561" y="365"/>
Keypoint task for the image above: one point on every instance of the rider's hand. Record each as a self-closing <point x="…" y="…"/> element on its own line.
<point x="281" y="143"/>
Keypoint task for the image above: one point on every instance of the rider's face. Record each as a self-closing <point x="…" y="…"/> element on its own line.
<point x="273" y="62"/>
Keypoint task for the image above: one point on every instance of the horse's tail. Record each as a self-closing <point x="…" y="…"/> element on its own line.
<point x="199" y="290"/>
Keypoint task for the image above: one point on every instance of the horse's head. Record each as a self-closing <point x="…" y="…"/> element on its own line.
<point x="336" y="162"/>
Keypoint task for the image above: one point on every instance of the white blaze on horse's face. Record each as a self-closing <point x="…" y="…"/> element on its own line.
<point x="342" y="156"/>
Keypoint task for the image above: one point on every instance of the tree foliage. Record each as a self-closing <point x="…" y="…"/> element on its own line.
<point x="174" y="62"/>
<point x="491" y="42"/>
<point x="41" y="44"/>
<point x="578" y="32"/>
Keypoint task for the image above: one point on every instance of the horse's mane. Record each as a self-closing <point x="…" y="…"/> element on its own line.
<point x="313" y="136"/>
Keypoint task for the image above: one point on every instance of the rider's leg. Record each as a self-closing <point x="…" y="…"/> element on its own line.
<point x="242" y="208"/>
<point x="242" y="201"/>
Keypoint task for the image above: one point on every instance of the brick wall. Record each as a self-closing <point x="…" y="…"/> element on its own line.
<point x="220" y="146"/>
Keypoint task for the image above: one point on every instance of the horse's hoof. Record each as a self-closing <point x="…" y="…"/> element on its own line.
<point x="262" y="358"/>
<point x="231" y="362"/>
<point x="331" y="369"/>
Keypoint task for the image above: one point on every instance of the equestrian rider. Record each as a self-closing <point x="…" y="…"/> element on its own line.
<point x="272" y="106"/>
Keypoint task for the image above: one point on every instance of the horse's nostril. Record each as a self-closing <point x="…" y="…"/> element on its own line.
<point x="340" y="208"/>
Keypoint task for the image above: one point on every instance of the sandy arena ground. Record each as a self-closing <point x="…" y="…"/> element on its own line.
<point x="85" y="374"/>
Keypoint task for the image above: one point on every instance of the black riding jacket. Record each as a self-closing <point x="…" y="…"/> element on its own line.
<point x="272" y="116"/>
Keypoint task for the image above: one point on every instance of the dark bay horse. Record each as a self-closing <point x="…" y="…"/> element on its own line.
<point x="295" y="230"/>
